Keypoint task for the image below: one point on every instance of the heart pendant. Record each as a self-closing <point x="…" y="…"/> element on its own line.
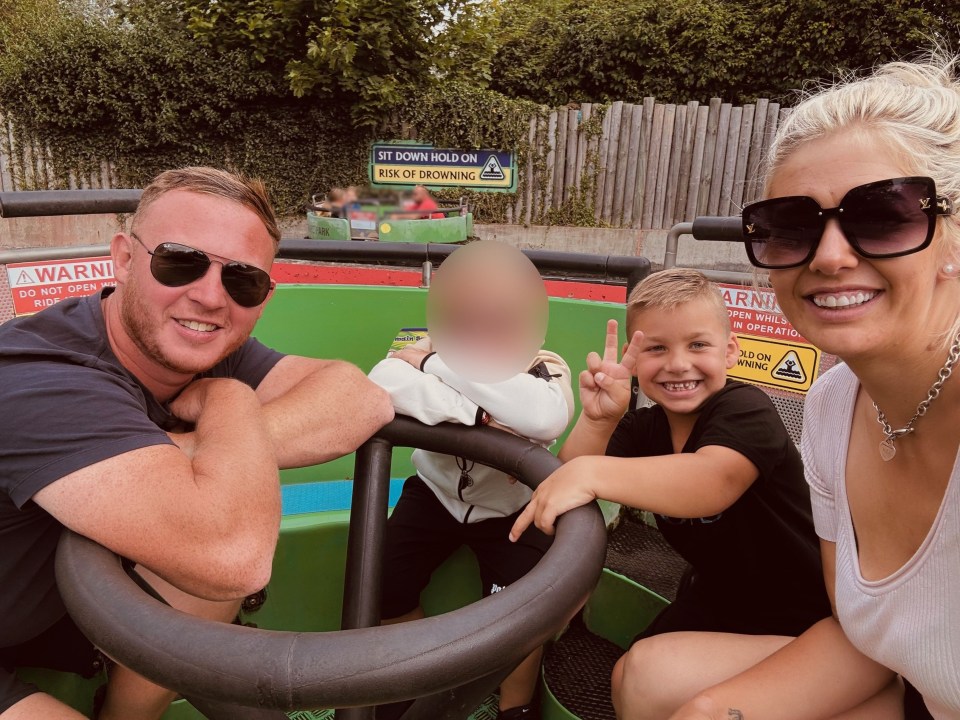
<point x="887" y="450"/>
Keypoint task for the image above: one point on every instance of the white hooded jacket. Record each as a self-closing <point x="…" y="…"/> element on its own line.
<point x="534" y="406"/>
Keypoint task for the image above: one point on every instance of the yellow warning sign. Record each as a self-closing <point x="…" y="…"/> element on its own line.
<point x="776" y="363"/>
<point x="406" y="164"/>
<point x="407" y="336"/>
<point x="490" y="175"/>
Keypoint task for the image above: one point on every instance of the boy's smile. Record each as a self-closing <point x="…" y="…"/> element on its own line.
<point x="685" y="355"/>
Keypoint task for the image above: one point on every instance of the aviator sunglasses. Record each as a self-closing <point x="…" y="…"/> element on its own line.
<point x="176" y="265"/>
<point x="882" y="219"/>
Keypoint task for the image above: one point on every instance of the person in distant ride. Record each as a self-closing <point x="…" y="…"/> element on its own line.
<point x="351" y="202"/>
<point x="146" y="418"/>
<point x="335" y="202"/>
<point x="421" y="205"/>
<point x="482" y="364"/>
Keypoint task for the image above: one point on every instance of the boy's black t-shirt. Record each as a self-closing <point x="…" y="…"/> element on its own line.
<point x="761" y="554"/>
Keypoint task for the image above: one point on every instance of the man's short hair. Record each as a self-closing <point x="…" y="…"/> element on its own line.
<point x="250" y="193"/>
<point x="668" y="289"/>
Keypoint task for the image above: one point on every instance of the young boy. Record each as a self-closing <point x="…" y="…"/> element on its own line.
<point x="452" y="501"/>
<point x="711" y="458"/>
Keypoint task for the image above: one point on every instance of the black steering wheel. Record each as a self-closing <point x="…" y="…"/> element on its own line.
<point x="449" y="663"/>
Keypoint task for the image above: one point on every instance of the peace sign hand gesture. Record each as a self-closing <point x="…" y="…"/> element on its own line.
<point x="605" y="384"/>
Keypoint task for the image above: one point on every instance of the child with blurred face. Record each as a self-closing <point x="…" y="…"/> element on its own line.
<point x="481" y="364"/>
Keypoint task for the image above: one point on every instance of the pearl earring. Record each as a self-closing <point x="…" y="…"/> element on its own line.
<point x="950" y="270"/>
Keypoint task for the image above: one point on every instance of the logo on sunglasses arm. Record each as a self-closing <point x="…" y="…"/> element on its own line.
<point x="925" y="203"/>
<point x="750" y="229"/>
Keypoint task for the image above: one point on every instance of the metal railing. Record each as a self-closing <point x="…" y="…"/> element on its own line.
<point x="39" y="203"/>
<point x="718" y="229"/>
<point x="614" y="267"/>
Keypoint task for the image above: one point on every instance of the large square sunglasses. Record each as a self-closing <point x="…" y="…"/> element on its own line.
<point x="883" y="219"/>
<point x="176" y="265"/>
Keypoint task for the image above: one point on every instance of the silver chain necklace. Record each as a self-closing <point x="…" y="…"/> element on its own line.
<point x="887" y="448"/>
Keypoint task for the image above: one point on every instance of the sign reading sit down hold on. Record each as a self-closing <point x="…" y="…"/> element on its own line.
<point x="408" y="165"/>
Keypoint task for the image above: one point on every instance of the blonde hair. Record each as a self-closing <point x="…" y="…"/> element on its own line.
<point x="913" y="107"/>
<point x="247" y="192"/>
<point x="668" y="289"/>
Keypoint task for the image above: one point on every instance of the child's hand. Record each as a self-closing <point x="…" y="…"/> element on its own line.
<point x="567" y="487"/>
<point x="410" y="354"/>
<point x="605" y="384"/>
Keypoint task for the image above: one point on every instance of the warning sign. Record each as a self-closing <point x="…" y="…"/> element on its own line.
<point x="776" y="363"/>
<point x="407" y="336"/>
<point x="35" y="286"/>
<point x="756" y="312"/>
<point x="492" y="170"/>
<point x="408" y="165"/>
<point x="790" y="368"/>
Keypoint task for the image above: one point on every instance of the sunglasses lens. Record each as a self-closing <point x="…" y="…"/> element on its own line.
<point x="781" y="232"/>
<point x="247" y="285"/>
<point x="174" y="265"/>
<point x="889" y="219"/>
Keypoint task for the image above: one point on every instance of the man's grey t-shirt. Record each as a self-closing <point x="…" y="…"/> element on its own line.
<point x="67" y="403"/>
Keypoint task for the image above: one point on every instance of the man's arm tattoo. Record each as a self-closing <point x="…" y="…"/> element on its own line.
<point x="734" y="714"/>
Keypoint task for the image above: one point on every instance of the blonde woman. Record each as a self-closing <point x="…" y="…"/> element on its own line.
<point x="859" y="236"/>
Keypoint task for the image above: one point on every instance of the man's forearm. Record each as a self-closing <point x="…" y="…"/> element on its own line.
<point x="327" y="413"/>
<point x="232" y="447"/>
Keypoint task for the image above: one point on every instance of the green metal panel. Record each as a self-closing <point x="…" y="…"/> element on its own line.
<point x="69" y="688"/>
<point x="619" y="609"/>
<point x="550" y="707"/>
<point x="327" y="228"/>
<point x="358" y="323"/>
<point x="433" y="230"/>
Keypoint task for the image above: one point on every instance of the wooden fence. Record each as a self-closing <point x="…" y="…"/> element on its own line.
<point x="28" y="165"/>
<point x="648" y="165"/>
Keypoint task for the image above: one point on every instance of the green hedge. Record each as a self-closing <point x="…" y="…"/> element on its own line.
<point x="560" y="51"/>
<point x="146" y="94"/>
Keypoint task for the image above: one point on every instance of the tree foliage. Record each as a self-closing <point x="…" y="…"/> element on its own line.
<point x="138" y="83"/>
<point x="370" y="54"/>
<point x="680" y="50"/>
<point x="295" y="90"/>
<point x="135" y="88"/>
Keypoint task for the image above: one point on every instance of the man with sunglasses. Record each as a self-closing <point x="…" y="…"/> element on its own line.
<point x="146" y="418"/>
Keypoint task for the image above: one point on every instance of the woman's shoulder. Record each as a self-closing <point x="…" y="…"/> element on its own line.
<point x="827" y="412"/>
<point x="837" y="384"/>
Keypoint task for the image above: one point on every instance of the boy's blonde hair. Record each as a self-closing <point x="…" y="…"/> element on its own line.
<point x="247" y="192"/>
<point x="668" y="289"/>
